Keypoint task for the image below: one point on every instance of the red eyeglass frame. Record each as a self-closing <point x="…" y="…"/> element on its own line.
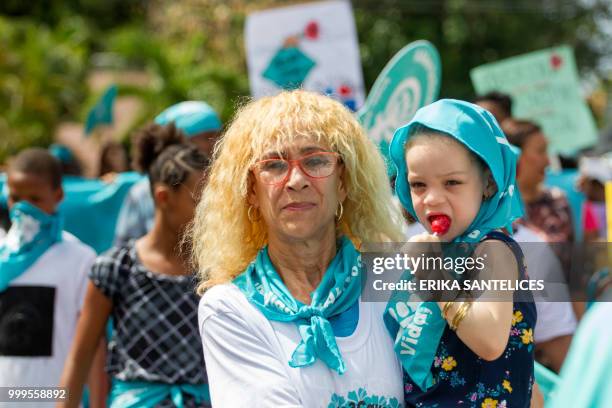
<point x="296" y="163"/>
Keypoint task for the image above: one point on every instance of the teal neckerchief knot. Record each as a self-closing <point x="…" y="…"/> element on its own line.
<point x="32" y="232"/>
<point x="338" y="291"/>
<point x="311" y="311"/>
<point x="417" y="326"/>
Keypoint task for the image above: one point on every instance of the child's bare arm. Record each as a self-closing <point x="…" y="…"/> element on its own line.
<point x="486" y="326"/>
<point x="90" y="328"/>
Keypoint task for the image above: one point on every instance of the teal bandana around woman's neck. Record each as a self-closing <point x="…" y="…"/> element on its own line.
<point x="338" y="291"/>
<point x="31" y="234"/>
<point x="477" y="130"/>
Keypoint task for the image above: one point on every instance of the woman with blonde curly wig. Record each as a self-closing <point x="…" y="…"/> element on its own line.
<point x="295" y="188"/>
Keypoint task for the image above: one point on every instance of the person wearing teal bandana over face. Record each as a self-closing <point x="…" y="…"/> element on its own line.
<point x="201" y="126"/>
<point x="43" y="271"/>
<point x="456" y="175"/>
<point x="295" y="188"/>
<point x="154" y="354"/>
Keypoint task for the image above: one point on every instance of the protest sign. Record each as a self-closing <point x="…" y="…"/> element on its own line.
<point x="410" y="80"/>
<point x="545" y="89"/>
<point x="311" y="46"/>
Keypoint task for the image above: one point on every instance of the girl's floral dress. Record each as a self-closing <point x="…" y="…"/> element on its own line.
<point x="462" y="379"/>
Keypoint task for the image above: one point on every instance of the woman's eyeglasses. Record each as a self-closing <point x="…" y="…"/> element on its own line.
<point x="314" y="165"/>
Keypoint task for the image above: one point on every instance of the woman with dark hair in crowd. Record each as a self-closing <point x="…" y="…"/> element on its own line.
<point x="546" y="209"/>
<point x="154" y="355"/>
<point x="498" y="103"/>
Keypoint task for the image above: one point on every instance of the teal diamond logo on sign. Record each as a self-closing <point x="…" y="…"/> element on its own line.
<point x="289" y="68"/>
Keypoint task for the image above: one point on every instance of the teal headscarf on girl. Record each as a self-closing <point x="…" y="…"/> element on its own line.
<point x="32" y="233"/>
<point x="478" y="131"/>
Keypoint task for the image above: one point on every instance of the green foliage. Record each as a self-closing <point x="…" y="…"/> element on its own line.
<point x="181" y="70"/>
<point x="193" y="49"/>
<point x="41" y="80"/>
<point x="100" y="14"/>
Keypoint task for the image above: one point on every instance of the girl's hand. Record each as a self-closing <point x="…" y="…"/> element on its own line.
<point x="424" y="237"/>
<point x="420" y="246"/>
<point x="425" y="246"/>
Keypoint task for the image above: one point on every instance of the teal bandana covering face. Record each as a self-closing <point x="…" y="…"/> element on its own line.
<point x="338" y="291"/>
<point x="192" y="117"/>
<point x="418" y="326"/>
<point x="31" y="234"/>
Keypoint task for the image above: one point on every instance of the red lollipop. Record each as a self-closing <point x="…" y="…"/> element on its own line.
<point x="440" y="224"/>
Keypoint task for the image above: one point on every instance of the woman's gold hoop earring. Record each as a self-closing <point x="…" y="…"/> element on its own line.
<point x="250" y="215"/>
<point x="339" y="216"/>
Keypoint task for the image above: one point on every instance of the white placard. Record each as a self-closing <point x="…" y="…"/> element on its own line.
<point x="312" y="45"/>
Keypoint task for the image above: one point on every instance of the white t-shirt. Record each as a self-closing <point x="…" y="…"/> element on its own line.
<point x="247" y="358"/>
<point x="56" y="282"/>
<point x="555" y="318"/>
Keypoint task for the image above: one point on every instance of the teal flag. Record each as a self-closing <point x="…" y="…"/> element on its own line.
<point x="408" y="82"/>
<point x="102" y="112"/>
<point x="545" y="88"/>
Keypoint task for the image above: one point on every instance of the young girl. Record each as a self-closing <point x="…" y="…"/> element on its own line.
<point x="456" y="175"/>
<point x="154" y="355"/>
